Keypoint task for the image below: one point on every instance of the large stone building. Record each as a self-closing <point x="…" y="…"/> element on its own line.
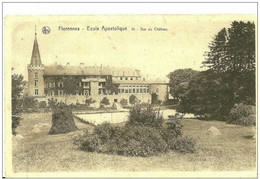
<point x="75" y="84"/>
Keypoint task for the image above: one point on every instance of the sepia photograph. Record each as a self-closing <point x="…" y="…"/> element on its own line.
<point x="169" y="95"/>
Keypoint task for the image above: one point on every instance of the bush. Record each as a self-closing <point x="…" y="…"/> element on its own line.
<point x="17" y="89"/>
<point x="182" y="145"/>
<point x="52" y="103"/>
<point x="140" y="141"/>
<point x="29" y="103"/>
<point x="15" y="123"/>
<point x="79" y="136"/>
<point x="154" y="98"/>
<point x="62" y="120"/>
<point x="42" y="104"/>
<point x="145" y="105"/>
<point x="171" y="102"/>
<point x="80" y="107"/>
<point x="145" y="117"/>
<point x="102" y="106"/>
<point x="244" y="115"/>
<point x="133" y="99"/>
<point x="127" y="141"/>
<point x="143" y="135"/>
<point x="123" y="102"/>
<point x="105" y="101"/>
<point x="172" y="131"/>
<point x="90" y="101"/>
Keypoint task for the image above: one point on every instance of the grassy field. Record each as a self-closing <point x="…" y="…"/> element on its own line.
<point x="234" y="150"/>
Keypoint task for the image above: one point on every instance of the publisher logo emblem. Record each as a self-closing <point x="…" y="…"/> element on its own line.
<point x="46" y="30"/>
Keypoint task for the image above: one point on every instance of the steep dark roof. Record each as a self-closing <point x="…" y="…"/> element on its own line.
<point x="36" y="58"/>
<point x="74" y="70"/>
<point x="89" y="70"/>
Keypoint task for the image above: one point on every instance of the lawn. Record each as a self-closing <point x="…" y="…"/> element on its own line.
<point x="234" y="150"/>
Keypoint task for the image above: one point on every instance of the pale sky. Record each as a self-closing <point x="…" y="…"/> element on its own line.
<point x="155" y="53"/>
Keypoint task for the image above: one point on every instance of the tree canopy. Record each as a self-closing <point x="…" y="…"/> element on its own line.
<point x="17" y="89"/>
<point x="179" y="81"/>
<point x="228" y="80"/>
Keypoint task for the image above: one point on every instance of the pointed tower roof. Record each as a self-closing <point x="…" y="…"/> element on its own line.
<point x="36" y="58"/>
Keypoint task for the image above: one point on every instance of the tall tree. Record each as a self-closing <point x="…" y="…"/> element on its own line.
<point x="230" y="77"/>
<point x="179" y="80"/>
<point x="217" y="54"/>
<point x="207" y="96"/>
<point x="17" y="89"/>
<point x="232" y="56"/>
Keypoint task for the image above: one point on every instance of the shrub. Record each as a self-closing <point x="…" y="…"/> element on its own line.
<point x="171" y="102"/>
<point x="172" y="131"/>
<point x="105" y="101"/>
<point x="132" y="99"/>
<point x="154" y="98"/>
<point x="29" y="103"/>
<point x="182" y="145"/>
<point x="105" y="131"/>
<point x="79" y="136"/>
<point x="80" y="107"/>
<point x="52" y="103"/>
<point x="140" y="141"/>
<point x="143" y="104"/>
<point x="127" y="141"/>
<point x="17" y="89"/>
<point x="42" y="104"/>
<point x="62" y="120"/>
<point x="101" y="139"/>
<point x="123" y="102"/>
<point x="102" y="106"/>
<point x="143" y="135"/>
<point x="90" y="101"/>
<point x="145" y="117"/>
<point x="243" y="115"/>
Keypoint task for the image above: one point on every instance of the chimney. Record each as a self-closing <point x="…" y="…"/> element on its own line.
<point x="67" y="64"/>
<point x="101" y="67"/>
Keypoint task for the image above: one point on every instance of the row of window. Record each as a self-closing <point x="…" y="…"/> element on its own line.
<point x="59" y="84"/>
<point x="135" y="86"/>
<point x="130" y="78"/>
<point x="134" y="90"/>
<point x="101" y="91"/>
<point x="60" y="93"/>
<point x="104" y="91"/>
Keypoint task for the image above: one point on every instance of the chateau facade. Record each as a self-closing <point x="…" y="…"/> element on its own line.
<point x="76" y="84"/>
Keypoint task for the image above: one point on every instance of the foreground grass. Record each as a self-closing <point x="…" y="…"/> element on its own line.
<point x="234" y="150"/>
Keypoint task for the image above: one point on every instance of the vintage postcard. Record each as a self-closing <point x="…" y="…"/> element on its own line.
<point x="130" y="95"/>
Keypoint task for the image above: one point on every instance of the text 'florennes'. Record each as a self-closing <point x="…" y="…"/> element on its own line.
<point x="113" y="28"/>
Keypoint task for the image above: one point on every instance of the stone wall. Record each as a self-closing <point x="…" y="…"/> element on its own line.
<point x="73" y="99"/>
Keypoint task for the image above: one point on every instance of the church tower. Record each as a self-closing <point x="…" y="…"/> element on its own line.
<point x="35" y="72"/>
